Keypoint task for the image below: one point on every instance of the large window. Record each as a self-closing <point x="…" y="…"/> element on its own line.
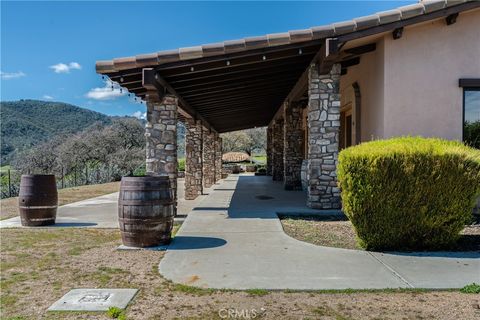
<point x="471" y="119"/>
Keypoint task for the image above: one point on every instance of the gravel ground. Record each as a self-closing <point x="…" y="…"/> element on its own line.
<point x="40" y="266"/>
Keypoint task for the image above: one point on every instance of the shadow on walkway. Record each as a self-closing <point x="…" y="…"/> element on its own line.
<point x="194" y="242"/>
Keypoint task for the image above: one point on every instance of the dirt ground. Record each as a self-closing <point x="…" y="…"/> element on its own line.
<point x="39" y="266"/>
<point x="9" y="206"/>
<point x="331" y="232"/>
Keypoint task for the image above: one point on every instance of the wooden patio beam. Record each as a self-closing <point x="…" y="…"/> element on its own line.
<point x="152" y="80"/>
<point x="225" y="63"/>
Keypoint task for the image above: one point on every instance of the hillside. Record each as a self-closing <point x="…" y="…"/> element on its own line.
<point x="25" y="123"/>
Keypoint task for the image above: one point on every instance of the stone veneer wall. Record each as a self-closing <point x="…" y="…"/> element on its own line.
<point x="193" y="161"/>
<point x="218" y="158"/>
<point x="269" y="150"/>
<point x="324" y="128"/>
<point x="277" y="152"/>
<point x="208" y="158"/>
<point x="293" y="145"/>
<point x="161" y="138"/>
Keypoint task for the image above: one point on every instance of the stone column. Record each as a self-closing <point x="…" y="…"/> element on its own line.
<point x="269" y="149"/>
<point x="324" y="129"/>
<point x="277" y="164"/>
<point x="193" y="161"/>
<point x="218" y="158"/>
<point x="161" y="137"/>
<point x="293" y="146"/>
<point x="208" y="158"/>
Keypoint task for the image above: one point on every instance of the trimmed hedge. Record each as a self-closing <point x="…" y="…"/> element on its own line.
<point x="409" y="193"/>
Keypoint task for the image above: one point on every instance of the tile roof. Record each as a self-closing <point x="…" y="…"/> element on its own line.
<point x="275" y="39"/>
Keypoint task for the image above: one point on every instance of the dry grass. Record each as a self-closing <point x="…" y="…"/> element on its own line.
<point x="326" y="231"/>
<point x="9" y="206"/>
<point x="332" y="232"/>
<point x="40" y="265"/>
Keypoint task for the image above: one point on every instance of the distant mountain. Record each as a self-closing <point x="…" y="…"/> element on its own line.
<point x="25" y="123"/>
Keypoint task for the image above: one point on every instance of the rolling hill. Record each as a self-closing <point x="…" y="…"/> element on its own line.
<point x="25" y="123"/>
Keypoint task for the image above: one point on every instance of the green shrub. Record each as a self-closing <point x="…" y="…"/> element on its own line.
<point x="115" y="313"/>
<point x="471" y="288"/>
<point x="181" y="164"/>
<point x="409" y="193"/>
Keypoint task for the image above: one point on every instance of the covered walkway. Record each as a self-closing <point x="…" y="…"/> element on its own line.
<point x="288" y="81"/>
<point x="234" y="239"/>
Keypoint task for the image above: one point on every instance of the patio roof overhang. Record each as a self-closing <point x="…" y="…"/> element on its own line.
<point x="241" y="84"/>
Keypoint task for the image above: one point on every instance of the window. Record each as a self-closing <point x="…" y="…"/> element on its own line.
<point x="471" y="116"/>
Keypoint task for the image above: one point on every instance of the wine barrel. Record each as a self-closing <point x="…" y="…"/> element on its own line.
<point x="146" y="211"/>
<point x="38" y="200"/>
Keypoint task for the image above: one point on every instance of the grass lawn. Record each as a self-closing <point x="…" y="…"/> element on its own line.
<point x="330" y="231"/>
<point x="9" y="206"/>
<point x="38" y="266"/>
<point x="262" y="159"/>
<point x="5" y="168"/>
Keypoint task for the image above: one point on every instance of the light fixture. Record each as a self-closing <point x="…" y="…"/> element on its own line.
<point x="228" y="62"/>
<point x="264" y="58"/>
<point x="192" y="69"/>
<point x="300" y="51"/>
<point x="121" y="79"/>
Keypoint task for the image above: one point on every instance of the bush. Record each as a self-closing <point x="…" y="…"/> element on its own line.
<point x="471" y="288"/>
<point x="181" y="164"/>
<point x="409" y="193"/>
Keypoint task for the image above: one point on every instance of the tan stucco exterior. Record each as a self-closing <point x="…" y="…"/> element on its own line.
<point x="409" y="86"/>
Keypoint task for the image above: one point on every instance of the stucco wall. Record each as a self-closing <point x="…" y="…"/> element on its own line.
<point x="422" y="69"/>
<point x="369" y="76"/>
<point x="409" y="86"/>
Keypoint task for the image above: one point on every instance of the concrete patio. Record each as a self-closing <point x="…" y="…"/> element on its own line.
<point x="101" y="212"/>
<point x="234" y="239"/>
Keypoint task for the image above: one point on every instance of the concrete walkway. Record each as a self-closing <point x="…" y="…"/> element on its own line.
<point x="234" y="239"/>
<point x="102" y="211"/>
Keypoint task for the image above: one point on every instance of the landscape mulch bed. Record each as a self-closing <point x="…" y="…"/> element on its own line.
<point x="337" y="231"/>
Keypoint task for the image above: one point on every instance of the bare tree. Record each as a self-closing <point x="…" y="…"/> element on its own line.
<point x="41" y="159"/>
<point x="248" y="141"/>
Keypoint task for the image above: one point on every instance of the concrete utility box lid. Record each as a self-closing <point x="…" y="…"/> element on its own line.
<point x="94" y="299"/>
<point x="235" y="157"/>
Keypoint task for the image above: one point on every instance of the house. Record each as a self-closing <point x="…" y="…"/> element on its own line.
<point x="414" y="70"/>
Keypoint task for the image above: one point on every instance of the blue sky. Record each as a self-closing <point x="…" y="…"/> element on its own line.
<point x="49" y="49"/>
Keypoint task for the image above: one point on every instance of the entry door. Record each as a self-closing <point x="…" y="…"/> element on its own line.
<point x="346" y="128"/>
